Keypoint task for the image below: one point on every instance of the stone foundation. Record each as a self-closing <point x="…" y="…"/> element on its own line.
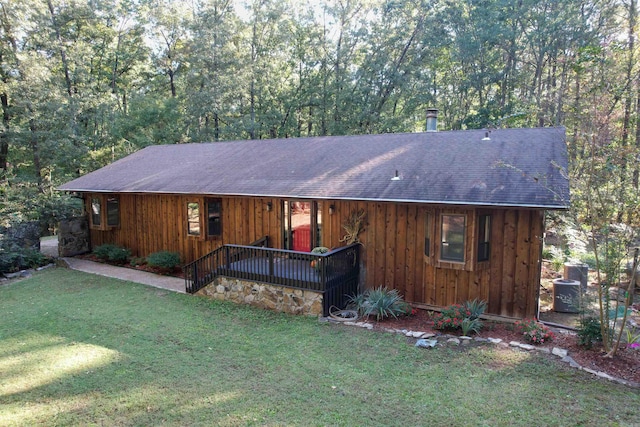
<point x="264" y="295"/>
<point x="73" y="237"/>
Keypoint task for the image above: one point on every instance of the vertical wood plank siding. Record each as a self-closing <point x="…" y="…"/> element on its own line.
<point x="152" y="223"/>
<point x="393" y="255"/>
<point x="393" y="244"/>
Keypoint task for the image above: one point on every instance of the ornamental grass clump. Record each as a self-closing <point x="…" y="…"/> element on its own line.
<point x="533" y="331"/>
<point x="381" y="303"/>
<point x="464" y="317"/>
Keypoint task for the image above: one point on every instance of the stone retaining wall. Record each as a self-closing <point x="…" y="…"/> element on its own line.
<point x="267" y="296"/>
<point x="73" y="237"/>
<point x="23" y="234"/>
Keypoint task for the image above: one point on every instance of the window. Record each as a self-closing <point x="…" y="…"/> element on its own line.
<point x="318" y="224"/>
<point x="104" y="212"/>
<point x="193" y="219"/>
<point x="96" y="211"/>
<point x="427" y="235"/>
<point x="214" y="223"/>
<point x="302" y="225"/>
<point x="452" y="238"/>
<point x="113" y="211"/>
<point x="484" y="232"/>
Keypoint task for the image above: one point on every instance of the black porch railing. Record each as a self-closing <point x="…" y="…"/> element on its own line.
<point x="334" y="274"/>
<point x="204" y="270"/>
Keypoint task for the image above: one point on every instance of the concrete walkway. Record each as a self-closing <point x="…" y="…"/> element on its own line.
<point x="156" y="280"/>
<point x="50" y="247"/>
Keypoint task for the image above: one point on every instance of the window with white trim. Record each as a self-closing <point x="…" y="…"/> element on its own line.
<point x="96" y="211"/>
<point x="452" y="237"/>
<point x="193" y="219"/>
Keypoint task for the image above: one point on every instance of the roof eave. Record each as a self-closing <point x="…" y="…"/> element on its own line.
<point x="351" y="199"/>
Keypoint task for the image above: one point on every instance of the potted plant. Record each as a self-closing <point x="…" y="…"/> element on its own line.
<point x="315" y="264"/>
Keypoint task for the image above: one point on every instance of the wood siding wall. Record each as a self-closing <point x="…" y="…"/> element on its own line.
<point x="152" y="223"/>
<point x="394" y="255"/>
<point x="393" y="251"/>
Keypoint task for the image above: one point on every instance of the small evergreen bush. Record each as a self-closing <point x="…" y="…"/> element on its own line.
<point x="589" y="331"/>
<point x="15" y="259"/>
<point x="112" y="253"/>
<point x="164" y="260"/>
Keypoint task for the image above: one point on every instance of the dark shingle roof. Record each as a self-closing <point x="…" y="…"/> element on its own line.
<point x="514" y="167"/>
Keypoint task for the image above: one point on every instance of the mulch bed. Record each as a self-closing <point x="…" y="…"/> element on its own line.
<point x="142" y="267"/>
<point x="625" y="365"/>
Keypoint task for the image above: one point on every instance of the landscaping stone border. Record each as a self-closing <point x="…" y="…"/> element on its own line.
<point x="431" y="340"/>
<point x="22" y="274"/>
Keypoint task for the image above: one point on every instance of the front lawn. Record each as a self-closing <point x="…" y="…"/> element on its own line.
<point x="78" y="349"/>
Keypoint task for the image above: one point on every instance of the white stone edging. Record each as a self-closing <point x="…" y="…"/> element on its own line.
<point x="430" y="340"/>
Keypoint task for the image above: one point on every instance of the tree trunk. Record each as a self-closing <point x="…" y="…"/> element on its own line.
<point x="573" y="146"/>
<point x="636" y="170"/>
<point x="35" y="151"/>
<point x="63" y="54"/>
<point x="4" y="135"/>
<point x="252" y="106"/>
<point x="114" y="74"/>
<point x="216" y="127"/>
<point x="628" y="101"/>
<point x="172" y="83"/>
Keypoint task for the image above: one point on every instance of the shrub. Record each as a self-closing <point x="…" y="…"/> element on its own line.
<point x="381" y="303"/>
<point x="16" y="258"/>
<point x="556" y="256"/>
<point x="464" y="317"/>
<point x="589" y="331"/>
<point x="112" y="253"/>
<point x="451" y="317"/>
<point x="103" y="251"/>
<point x="589" y="258"/>
<point x="165" y="260"/>
<point x="533" y="331"/>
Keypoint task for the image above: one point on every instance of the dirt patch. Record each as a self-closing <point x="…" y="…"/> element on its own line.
<point x="625" y="365"/>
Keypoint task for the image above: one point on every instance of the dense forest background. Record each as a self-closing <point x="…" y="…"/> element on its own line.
<point x="83" y="83"/>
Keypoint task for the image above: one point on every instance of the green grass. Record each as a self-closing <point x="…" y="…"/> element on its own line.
<point x="79" y="349"/>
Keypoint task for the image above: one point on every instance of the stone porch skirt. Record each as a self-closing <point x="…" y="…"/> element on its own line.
<point x="264" y="295"/>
